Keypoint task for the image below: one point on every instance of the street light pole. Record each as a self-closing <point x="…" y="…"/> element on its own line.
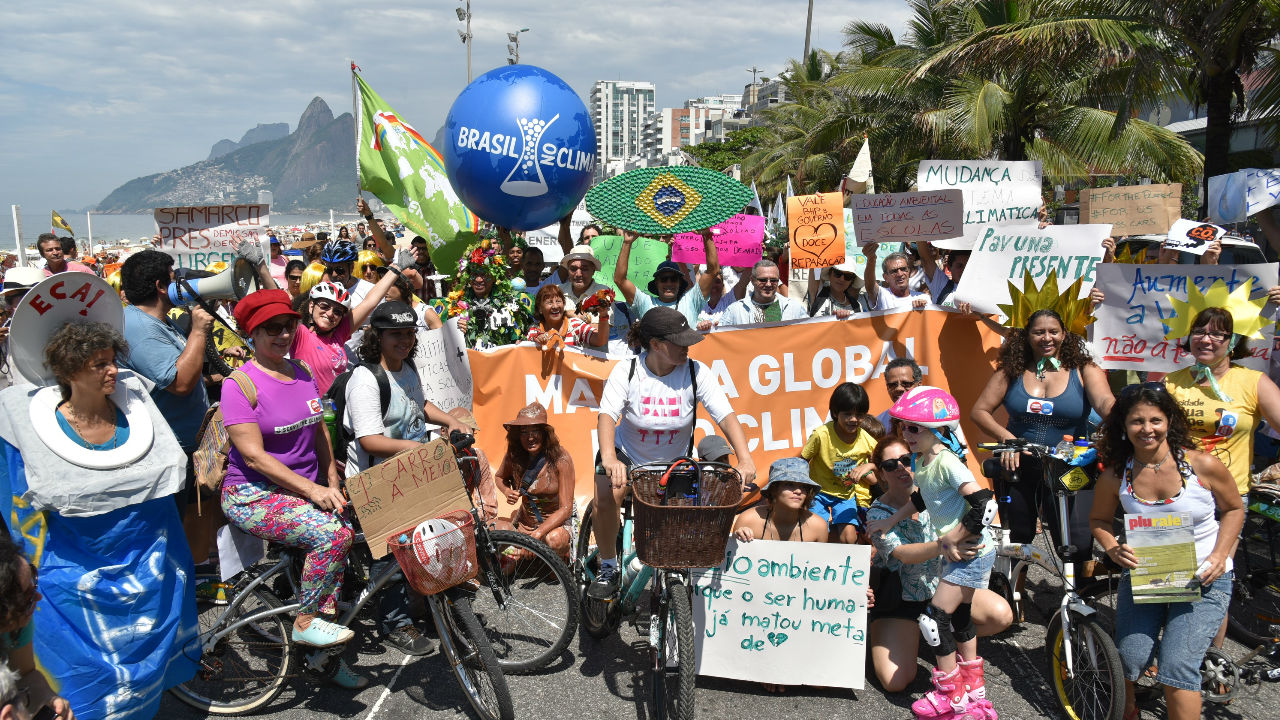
<point x="513" y="50"/>
<point x="464" y="15"/>
<point x="808" y="28"/>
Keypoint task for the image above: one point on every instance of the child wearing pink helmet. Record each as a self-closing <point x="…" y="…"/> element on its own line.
<point x="959" y="508"/>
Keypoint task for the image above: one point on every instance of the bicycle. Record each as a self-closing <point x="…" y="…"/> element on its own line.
<point x="1084" y="664"/>
<point x="657" y="545"/>
<point x="525" y="595"/>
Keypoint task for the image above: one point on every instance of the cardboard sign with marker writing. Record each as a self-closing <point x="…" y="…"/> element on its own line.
<point x="414" y="486"/>
<point x="198" y="235"/>
<point x="816" y="223"/>
<point x="908" y="216"/>
<point x="1132" y="210"/>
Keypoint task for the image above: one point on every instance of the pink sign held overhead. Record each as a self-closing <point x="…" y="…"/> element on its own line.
<point x="739" y="242"/>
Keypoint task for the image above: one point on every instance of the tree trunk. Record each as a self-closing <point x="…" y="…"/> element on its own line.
<point x="1217" y="132"/>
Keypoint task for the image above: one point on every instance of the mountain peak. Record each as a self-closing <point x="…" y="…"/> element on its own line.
<point x="316" y="116"/>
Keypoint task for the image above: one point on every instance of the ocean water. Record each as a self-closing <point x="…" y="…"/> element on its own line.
<point x="111" y="229"/>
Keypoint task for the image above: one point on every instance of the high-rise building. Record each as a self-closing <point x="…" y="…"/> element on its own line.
<point x="619" y="109"/>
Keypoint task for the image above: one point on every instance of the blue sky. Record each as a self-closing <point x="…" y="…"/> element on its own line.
<point x="95" y="94"/>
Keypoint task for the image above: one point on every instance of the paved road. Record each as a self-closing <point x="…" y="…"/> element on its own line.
<point x="604" y="680"/>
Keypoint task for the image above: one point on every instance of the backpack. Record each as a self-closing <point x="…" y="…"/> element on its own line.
<point x="337" y="394"/>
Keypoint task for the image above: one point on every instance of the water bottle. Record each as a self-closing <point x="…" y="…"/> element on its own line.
<point x="330" y="421"/>
<point x="1065" y="449"/>
<point x="1081" y="447"/>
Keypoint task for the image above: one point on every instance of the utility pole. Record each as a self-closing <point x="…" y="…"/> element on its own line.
<point x="808" y="28"/>
<point x="464" y="15"/>
<point x="513" y="50"/>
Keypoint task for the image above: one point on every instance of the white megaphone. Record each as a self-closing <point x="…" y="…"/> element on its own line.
<point x="231" y="284"/>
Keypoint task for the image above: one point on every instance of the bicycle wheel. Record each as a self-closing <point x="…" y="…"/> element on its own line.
<point x="1255" y="594"/>
<point x="533" y="612"/>
<point x="1096" y="691"/>
<point x="248" y="666"/>
<point x="599" y="619"/>
<point x="471" y="658"/>
<point x="675" y="672"/>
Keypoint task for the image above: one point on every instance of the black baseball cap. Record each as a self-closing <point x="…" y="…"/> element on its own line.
<point x="392" y="315"/>
<point x="664" y="323"/>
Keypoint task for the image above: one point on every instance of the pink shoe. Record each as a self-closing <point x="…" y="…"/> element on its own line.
<point x="975" y="685"/>
<point x="948" y="699"/>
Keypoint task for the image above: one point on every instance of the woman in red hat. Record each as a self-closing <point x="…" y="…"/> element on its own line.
<point x="537" y="472"/>
<point x="281" y="482"/>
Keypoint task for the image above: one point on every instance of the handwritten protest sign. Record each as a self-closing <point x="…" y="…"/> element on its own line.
<point x="853" y="254"/>
<point x="416" y="485"/>
<point x="441" y="359"/>
<point x="548" y="238"/>
<point x="198" y="235"/>
<point x="1234" y="197"/>
<point x="1003" y="254"/>
<point x="1133" y="209"/>
<point x="646" y="254"/>
<point x="1193" y="237"/>
<point x="908" y="216"/>
<point x="817" y="230"/>
<point x="996" y="192"/>
<point x="784" y="612"/>
<point x="739" y="243"/>
<point x="1129" y="334"/>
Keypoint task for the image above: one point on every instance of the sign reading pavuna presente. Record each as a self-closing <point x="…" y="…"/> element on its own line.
<point x="791" y="613"/>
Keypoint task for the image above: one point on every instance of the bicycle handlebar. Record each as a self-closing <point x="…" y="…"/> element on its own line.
<point x="664" y="466"/>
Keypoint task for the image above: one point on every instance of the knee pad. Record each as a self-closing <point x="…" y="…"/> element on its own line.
<point x="962" y="623"/>
<point x="935" y="626"/>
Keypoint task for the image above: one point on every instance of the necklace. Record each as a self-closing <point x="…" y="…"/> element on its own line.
<point x="75" y="421"/>
<point x="1156" y="465"/>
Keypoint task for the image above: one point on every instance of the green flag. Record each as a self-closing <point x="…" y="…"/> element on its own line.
<point x="397" y="165"/>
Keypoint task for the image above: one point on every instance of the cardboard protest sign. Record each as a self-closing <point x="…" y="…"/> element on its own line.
<point x="416" y="485"/>
<point x="817" y="230"/>
<point x="1234" y="197"/>
<point x="646" y="254"/>
<point x="792" y="613"/>
<point x="908" y="216"/>
<point x="1129" y="333"/>
<point x="1192" y="236"/>
<point x="1132" y="209"/>
<point x="853" y="254"/>
<point x="441" y="359"/>
<point x="1003" y="254"/>
<point x="996" y="192"/>
<point x="739" y="243"/>
<point x="198" y="235"/>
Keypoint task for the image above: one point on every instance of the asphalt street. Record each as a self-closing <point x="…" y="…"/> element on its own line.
<point x="606" y="679"/>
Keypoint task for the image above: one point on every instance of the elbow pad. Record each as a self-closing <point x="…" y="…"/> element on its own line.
<point x="982" y="511"/>
<point x="917" y="501"/>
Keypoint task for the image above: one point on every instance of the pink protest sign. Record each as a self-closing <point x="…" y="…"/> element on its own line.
<point x="739" y="242"/>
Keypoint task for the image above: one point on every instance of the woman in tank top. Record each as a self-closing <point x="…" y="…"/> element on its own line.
<point x="1153" y="470"/>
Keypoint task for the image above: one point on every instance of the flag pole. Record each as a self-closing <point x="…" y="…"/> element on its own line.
<point x="359" y="121"/>
<point x="17" y="233"/>
<point x="88" y="220"/>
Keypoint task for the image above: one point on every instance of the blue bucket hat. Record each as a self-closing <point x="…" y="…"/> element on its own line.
<point x="792" y="470"/>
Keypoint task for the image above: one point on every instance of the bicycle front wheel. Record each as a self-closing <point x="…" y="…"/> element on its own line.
<point x="529" y="606"/>
<point x="1095" y="688"/>
<point x="675" y="671"/>
<point x="471" y="658"/>
<point x="248" y="666"/>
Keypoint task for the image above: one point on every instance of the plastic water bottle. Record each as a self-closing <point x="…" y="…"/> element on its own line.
<point x="1065" y="449"/>
<point x="331" y="421"/>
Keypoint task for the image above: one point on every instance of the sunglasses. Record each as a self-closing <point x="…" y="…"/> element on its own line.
<point x="901" y="384"/>
<point x="1130" y="390"/>
<point x="892" y="463"/>
<point x="331" y="307"/>
<point x="336" y="270"/>
<point x="295" y="278"/>
<point x="842" y="275"/>
<point x="903" y="269"/>
<point x="275" y="329"/>
<point x="767" y="281"/>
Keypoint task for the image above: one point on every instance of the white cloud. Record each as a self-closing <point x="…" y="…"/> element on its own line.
<point x="100" y="93"/>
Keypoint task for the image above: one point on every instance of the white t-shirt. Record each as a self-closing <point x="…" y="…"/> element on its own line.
<point x="359" y="290"/>
<point x="655" y="414"/>
<point x="886" y="300"/>
<point x="405" y="418"/>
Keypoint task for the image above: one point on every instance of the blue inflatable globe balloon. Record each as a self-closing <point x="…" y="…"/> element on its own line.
<point x="520" y="147"/>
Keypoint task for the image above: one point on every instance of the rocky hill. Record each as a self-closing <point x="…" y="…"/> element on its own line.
<point x="262" y="133"/>
<point x="311" y="169"/>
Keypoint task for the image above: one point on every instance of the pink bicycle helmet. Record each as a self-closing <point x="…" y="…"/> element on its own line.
<point x="927" y="406"/>
<point x="331" y="291"/>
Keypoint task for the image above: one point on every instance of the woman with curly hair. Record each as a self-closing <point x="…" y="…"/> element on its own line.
<point x="1048" y="385"/>
<point x="1152" y="469"/>
<point x="555" y="324"/>
<point x="537" y="473"/>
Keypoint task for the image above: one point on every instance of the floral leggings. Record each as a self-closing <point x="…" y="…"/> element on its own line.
<point x="268" y="511"/>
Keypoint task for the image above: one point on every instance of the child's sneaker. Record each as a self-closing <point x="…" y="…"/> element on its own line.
<point x="975" y="685"/>
<point x="946" y="701"/>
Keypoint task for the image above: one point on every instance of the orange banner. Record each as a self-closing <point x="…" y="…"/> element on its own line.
<point x="778" y="379"/>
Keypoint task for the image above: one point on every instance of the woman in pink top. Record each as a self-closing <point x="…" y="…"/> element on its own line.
<point x="328" y="321"/>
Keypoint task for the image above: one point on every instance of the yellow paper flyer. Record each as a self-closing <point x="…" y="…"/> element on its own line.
<point x="1166" y="550"/>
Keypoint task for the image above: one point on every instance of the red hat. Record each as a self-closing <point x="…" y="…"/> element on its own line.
<point x="259" y="307"/>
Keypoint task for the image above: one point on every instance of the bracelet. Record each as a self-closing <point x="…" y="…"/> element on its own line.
<point x="395" y="270"/>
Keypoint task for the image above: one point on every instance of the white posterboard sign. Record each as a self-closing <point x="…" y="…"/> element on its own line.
<point x="784" y="612"/>
<point x="1129" y="332"/>
<point x="548" y="238"/>
<point x="996" y="192"/>
<point x="1003" y="254"/>
<point x="1193" y="237"/>
<point x="441" y="359"/>
<point x="907" y="216"/>
<point x="199" y="235"/>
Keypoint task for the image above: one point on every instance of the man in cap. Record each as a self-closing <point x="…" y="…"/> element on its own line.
<point x="764" y="304"/>
<point x="670" y="286"/>
<point x="17" y="282"/>
<point x="714" y="448"/>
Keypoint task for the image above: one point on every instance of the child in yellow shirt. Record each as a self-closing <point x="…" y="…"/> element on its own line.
<point x="839" y="455"/>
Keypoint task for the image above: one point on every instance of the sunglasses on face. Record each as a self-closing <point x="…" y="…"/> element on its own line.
<point x="336" y="270"/>
<point x="332" y="308"/>
<point x="275" y="329"/>
<point x="900" y="384"/>
<point x="893" y="463"/>
<point x="842" y="275"/>
<point x="902" y="269"/>
<point x="767" y="281"/>
<point x="295" y="278"/>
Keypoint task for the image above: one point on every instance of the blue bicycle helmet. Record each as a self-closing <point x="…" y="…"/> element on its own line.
<point x="339" y="251"/>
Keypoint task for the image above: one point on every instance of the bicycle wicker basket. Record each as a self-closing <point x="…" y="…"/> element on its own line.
<point x="685" y="533"/>
<point x="435" y="563"/>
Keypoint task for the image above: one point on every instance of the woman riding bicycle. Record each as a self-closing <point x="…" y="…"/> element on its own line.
<point x="647" y="416"/>
<point x="1048" y="386"/>
<point x="1152" y="469"/>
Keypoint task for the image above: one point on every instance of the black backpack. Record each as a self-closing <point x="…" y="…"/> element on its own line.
<point x="337" y="394"/>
